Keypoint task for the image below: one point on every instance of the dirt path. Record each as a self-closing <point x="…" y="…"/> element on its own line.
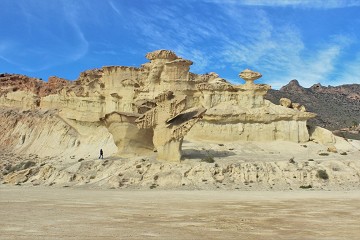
<point x="54" y="213"/>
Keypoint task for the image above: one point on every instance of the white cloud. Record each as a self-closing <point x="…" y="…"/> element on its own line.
<point x="82" y="44"/>
<point x="350" y="72"/>
<point x="279" y="52"/>
<point x="328" y="4"/>
<point x="167" y="29"/>
<point x="224" y="35"/>
<point x="48" y="43"/>
<point x="6" y="47"/>
<point x="7" y="60"/>
<point x="244" y="38"/>
<point x="318" y="66"/>
<point x="200" y="60"/>
<point x="114" y="7"/>
<point x="239" y="41"/>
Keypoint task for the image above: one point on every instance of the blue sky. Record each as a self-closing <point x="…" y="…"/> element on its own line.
<point x="309" y="40"/>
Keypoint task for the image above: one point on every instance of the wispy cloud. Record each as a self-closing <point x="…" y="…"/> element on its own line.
<point x="291" y="3"/>
<point x="81" y="43"/>
<point x="48" y="43"/>
<point x="114" y="7"/>
<point x="8" y="61"/>
<point x="303" y="3"/>
<point x="278" y="51"/>
<point x="350" y="72"/>
<point x="224" y="36"/>
<point x="236" y="38"/>
<point x="239" y="41"/>
<point x="287" y="58"/>
<point x="171" y="29"/>
<point x="7" y="47"/>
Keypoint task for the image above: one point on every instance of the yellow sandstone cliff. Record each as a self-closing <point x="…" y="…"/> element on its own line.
<point x="152" y="108"/>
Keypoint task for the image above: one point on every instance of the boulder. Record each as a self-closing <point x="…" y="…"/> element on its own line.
<point x="322" y="135"/>
<point x="285" y="102"/>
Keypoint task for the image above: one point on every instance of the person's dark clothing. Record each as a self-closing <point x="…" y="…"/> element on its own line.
<point x="101" y="154"/>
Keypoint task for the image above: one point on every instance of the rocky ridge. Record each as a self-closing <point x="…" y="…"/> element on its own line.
<point x="337" y="108"/>
<point x="17" y="82"/>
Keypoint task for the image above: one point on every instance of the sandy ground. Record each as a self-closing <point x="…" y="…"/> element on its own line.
<point x="66" y="213"/>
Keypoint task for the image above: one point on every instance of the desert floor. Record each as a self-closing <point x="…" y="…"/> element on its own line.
<point x="72" y="213"/>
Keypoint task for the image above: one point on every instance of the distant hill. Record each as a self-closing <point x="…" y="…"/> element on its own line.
<point x="336" y="107"/>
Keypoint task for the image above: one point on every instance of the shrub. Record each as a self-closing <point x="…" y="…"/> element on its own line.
<point x="322" y="174"/>
<point x="28" y="164"/>
<point x="21" y="166"/>
<point x="306" y="187"/>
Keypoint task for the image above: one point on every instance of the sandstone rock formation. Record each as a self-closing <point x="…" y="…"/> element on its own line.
<point x="156" y="105"/>
<point x="129" y="139"/>
<point x="322" y="135"/>
<point x="170" y="124"/>
<point x="337" y="107"/>
<point x="285" y="102"/>
<point x="241" y="113"/>
<point x="46" y="134"/>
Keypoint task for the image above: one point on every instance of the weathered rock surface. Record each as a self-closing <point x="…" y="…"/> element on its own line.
<point x="337" y="108"/>
<point x="46" y="134"/>
<point x="253" y="166"/>
<point x="158" y="104"/>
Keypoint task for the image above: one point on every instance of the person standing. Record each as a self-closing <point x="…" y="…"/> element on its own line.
<point x="101" y="154"/>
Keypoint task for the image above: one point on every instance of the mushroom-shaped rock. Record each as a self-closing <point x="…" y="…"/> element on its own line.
<point x="249" y="76"/>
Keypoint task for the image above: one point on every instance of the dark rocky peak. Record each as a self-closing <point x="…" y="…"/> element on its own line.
<point x="323" y="89"/>
<point x="337" y="107"/>
<point x="349" y="90"/>
<point x="292" y="86"/>
<point x="316" y="87"/>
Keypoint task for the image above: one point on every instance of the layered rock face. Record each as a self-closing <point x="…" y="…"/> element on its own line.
<point x="46" y="134"/>
<point x="153" y="107"/>
<point x="242" y="113"/>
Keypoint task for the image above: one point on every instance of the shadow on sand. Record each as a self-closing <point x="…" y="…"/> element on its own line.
<point x="200" y="154"/>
